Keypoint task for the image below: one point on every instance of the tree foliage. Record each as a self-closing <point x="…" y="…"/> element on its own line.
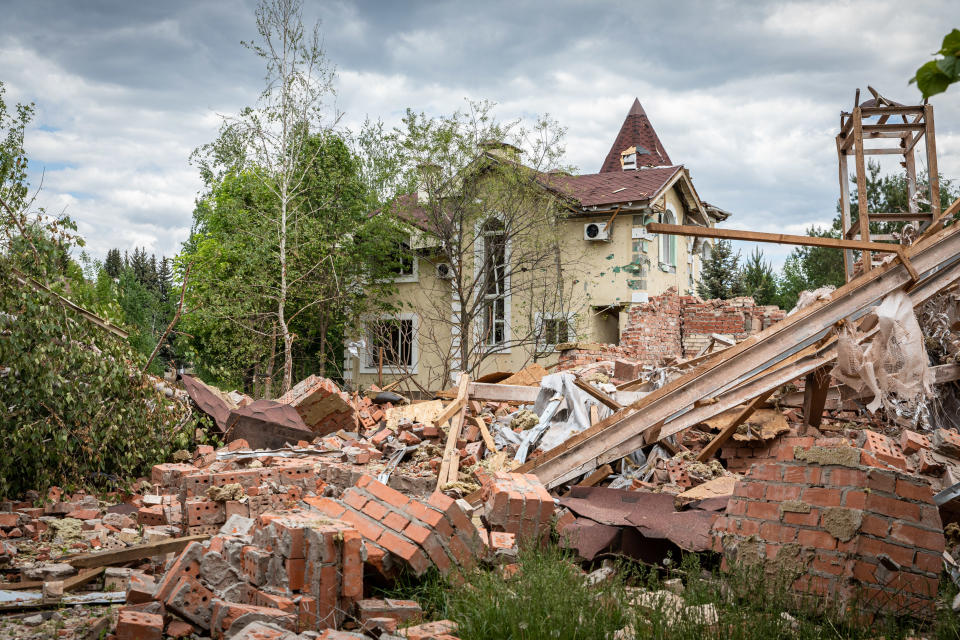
<point x="758" y="280"/>
<point x="720" y="276"/>
<point x="936" y="75"/>
<point x="72" y="396"/>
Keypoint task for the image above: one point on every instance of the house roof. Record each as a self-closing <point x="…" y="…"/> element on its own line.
<point x="636" y="131"/>
<point x="613" y="187"/>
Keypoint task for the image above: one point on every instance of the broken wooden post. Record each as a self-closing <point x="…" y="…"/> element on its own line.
<point x="815" y="396"/>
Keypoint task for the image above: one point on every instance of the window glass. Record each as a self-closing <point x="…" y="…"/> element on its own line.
<point x="393" y="338"/>
<point x="494" y="281"/>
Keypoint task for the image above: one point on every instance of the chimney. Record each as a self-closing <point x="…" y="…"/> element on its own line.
<point x="502" y="149"/>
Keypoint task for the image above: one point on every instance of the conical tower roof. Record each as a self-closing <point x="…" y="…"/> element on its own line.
<point x="637" y="132"/>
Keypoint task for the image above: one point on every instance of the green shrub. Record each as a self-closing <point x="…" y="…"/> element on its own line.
<point x="75" y="411"/>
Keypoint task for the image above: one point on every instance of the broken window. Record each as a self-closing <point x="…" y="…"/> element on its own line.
<point x="392" y="340"/>
<point x="494" y="247"/>
<point x="554" y="330"/>
<point x="403" y="263"/>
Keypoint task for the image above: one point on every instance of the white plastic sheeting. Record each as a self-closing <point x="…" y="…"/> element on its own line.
<point x="564" y="410"/>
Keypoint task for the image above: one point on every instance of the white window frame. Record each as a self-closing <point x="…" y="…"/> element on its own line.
<point x="479" y="261"/>
<point x="414" y="348"/>
<point x="415" y="275"/>
<point x="571" y="318"/>
<point x="668" y="243"/>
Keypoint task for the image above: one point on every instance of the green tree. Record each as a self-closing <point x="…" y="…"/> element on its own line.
<point x="72" y="396"/>
<point x="936" y="75"/>
<point x="808" y="268"/>
<point x="113" y="265"/>
<point x="720" y="277"/>
<point x="758" y="279"/>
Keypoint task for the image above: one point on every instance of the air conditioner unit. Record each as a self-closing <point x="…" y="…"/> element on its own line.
<point x="443" y="271"/>
<point x="596" y="231"/>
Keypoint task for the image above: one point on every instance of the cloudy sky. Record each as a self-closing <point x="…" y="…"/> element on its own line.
<point x="746" y="95"/>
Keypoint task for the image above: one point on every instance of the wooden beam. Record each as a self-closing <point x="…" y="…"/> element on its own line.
<point x="891" y="111"/>
<point x="598" y="395"/>
<point x="878" y="128"/>
<point x="777" y="238"/>
<point x="450" y="463"/>
<point x="485" y="433"/>
<point x="933" y="174"/>
<point x="597" y="476"/>
<point x="845" y="220"/>
<point x="714" y="445"/>
<point x="862" y="217"/>
<point x="136" y="552"/>
<point x="451" y="409"/>
<point x="815" y="396"/>
<point x="613" y="217"/>
<point x="614" y="436"/>
<point x="489" y="392"/>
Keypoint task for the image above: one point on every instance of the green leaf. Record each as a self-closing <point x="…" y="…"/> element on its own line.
<point x="951" y="44"/>
<point x="950" y="66"/>
<point x="931" y="80"/>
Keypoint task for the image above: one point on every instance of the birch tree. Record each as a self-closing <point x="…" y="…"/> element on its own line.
<point x="272" y="141"/>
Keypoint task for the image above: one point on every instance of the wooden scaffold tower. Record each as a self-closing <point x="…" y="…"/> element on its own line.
<point x="883" y="122"/>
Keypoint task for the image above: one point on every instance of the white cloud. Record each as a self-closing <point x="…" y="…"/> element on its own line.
<point x="746" y="96"/>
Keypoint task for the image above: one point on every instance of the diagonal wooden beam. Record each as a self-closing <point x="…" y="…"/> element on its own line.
<point x="707" y="452"/>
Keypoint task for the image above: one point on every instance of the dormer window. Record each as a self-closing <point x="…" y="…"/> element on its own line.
<point x="628" y="159"/>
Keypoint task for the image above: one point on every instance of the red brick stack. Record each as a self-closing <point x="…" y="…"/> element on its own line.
<point x="322" y="405"/>
<point x="516" y="503"/>
<point x="405" y="531"/>
<point x="865" y="536"/>
<point x="300" y="571"/>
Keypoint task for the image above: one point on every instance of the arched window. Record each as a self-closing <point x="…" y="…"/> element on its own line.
<point x="494" y="274"/>
<point x="668" y="243"/>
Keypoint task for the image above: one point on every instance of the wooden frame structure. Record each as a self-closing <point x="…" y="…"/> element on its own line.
<point x="881" y="120"/>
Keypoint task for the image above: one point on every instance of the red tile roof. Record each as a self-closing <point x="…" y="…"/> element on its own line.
<point x="636" y="131"/>
<point x="613" y="187"/>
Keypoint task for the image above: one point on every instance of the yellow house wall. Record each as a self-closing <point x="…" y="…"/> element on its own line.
<point x="602" y="274"/>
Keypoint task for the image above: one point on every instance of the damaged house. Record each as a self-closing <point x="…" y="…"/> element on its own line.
<point x="503" y="265"/>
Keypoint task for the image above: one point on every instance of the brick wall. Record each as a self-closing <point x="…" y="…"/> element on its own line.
<point x="855" y="535"/>
<point x="671" y="326"/>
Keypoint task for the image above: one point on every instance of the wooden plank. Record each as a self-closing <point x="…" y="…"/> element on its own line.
<point x="136" y="552"/>
<point x="529" y="376"/>
<point x="616" y="434"/>
<point x="594" y="414"/>
<point x="933" y="175"/>
<point x="485" y="433"/>
<point x="845" y="221"/>
<point x="863" y="219"/>
<point x="892" y="111"/>
<point x="714" y="445"/>
<point x="896" y="127"/>
<point x="82" y="578"/>
<point x="458" y="402"/>
<point x="598" y="395"/>
<point x="815" y="396"/>
<point x="880" y="152"/>
<point x="450" y="463"/>
<point x="597" y="476"/>
<point x="502" y="392"/>
<point x="760" y="236"/>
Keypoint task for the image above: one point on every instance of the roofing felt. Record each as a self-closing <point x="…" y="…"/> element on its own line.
<point x="636" y="131"/>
